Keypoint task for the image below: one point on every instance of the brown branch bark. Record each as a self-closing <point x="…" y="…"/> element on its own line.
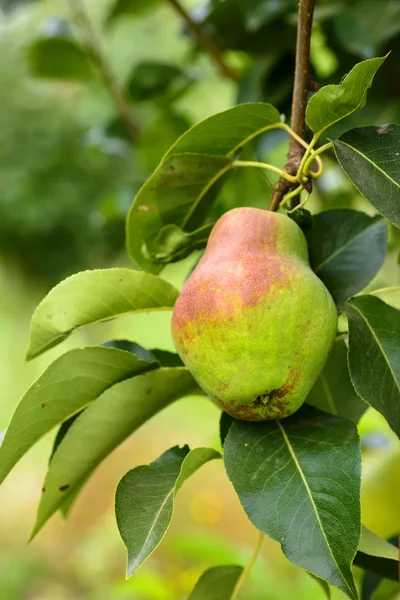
<point x="299" y="101"/>
<point x="95" y="52"/>
<point x="205" y="41"/>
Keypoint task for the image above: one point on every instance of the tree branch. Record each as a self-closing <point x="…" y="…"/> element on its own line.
<point x="96" y="54"/>
<point x="205" y="41"/>
<point x="299" y="101"/>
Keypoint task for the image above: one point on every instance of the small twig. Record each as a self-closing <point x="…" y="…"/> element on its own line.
<point x="205" y="41"/>
<point x="248" y="567"/>
<point x="96" y="54"/>
<point x="299" y="101"/>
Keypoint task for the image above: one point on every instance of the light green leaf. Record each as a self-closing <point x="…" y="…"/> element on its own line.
<point x="122" y="8"/>
<point x="335" y="102"/>
<point x="182" y="188"/>
<point x="69" y="384"/>
<point x="172" y="243"/>
<point x="103" y="426"/>
<point x="333" y="392"/>
<point x="370" y="157"/>
<point x="217" y="583"/>
<point x="94" y="296"/>
<point x="374" y="355"/>
<point x="144" y="501"/>
<point x="299" y="482"/>
<point x="377" y="555"/>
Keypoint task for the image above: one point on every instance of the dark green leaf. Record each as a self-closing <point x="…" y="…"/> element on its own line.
<point x="167" y="359"/>
<point x="144" y="501"/>
<point x="59" y="57"/>
<point x="323" y="584"/>
<point x="93" y="296"/>
<point x="333" y="391"/>
<point x="10" y="5"/>
<point x="299" y="482"/>
<point x="182" y="188"/>
<point x="377" y="555"/>
<point x="347" y="249"/>
<point x="131" y="7"/>
<point x="374" y="355"/>
<point x="117" y="413"/>
<point x="217" y="583"/>
<point x="370" y="157"/>
<point x="136" y="349"/>
<point x="335" y="102"/>
<point x="69" y="384"/>
<point x="224" y="426"/>
<point x="150" y="79"/>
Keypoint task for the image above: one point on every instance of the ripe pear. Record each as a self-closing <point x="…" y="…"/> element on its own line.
<point x="253" y="323"/>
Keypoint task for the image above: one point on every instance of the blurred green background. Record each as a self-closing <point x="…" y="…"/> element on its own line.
<point x="68" y="172"/>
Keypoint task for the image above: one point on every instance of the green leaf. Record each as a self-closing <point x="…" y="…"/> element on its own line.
<point x="182" y="188"/>
<point x="299" y="482"/>
<point x="374" y="355"/>
<point x="117" y="413"/>
<point x="94" y="296"/>
<point x="377" y="555"/>
<point x="225" y="133"/>
<point x="335" y="102"/>
<point x="217" y="583"/>
<point x="144" y="501"/>
<point x="347" y="248"/>
<point x="178" y="192"/>
<point x="225" y="423"/>
<point x="59" y="57"/>
<point x="364" y="26"/>
<point x="150" y="79"/>
<point x="173" y="244"/>
<point x="333" y="392"/>
<point x="370" y="157"/>
<point x="69" y="384"/>
<point x="130" y="8"/>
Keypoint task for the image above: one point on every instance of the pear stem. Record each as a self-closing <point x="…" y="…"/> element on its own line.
<point x="248" y="567"/>
<point x="299" y="101"/>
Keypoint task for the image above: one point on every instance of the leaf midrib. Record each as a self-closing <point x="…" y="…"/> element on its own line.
<point x="309" y="493"/>
<point x="377" y="342"/>
<point x="377" y="167"/>
<point x="342" y="248"/>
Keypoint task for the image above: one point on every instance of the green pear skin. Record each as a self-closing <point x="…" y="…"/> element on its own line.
<point x="253" y="323"/>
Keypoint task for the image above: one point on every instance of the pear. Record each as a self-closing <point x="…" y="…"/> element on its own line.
<point x="253" y="323"/>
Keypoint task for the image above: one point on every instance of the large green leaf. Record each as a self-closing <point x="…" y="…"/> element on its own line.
<point x="347" y="249"/>
<point x="374" y="355"/>
<point x="93" y="296"/>
<point x="100" y="428"/>
<point x="335" y="102"/>
<point x="370" y="157"/>
<point x="144" y="501"/>
<point x="69" y="384"/>
<point x="299" y="482"/>
<point x="177" y="192"/>
<point x="333" y="392"/>
<point x="217" y="583"/>
<point x="182" y="188"/>
<point x="59" y="57"/>
<point x="377" y="555"/>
